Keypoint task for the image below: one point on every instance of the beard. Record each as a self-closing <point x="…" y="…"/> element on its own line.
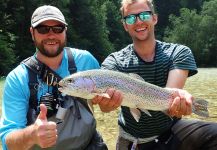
<point x="40" y="46"/>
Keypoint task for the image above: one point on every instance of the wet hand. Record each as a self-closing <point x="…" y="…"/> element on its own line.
<point x="45" y="132"/>
<point x="181" y="104"/>
<point x="109" y="104"/>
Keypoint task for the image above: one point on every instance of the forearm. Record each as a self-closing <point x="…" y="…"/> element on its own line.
<point x="21" y="139"/>
<point x="177" y="78"/>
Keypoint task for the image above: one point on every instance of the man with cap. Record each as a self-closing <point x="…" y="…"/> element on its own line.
<point x="48" y="31"/>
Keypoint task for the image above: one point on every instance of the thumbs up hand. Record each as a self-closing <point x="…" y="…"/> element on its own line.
<point x="45" y="132"/>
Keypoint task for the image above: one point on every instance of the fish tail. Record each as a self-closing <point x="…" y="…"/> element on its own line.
<point x="200" y="108"/>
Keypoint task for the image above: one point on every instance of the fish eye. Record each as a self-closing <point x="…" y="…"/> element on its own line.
<point x="70" y="80"/>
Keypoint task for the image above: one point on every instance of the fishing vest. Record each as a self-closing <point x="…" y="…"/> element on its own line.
<point x="77" y="130"/>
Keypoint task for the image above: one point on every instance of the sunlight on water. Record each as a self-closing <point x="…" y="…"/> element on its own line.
<point x="202" y="85"/>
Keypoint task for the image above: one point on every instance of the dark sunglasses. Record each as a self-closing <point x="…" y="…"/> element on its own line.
<point x="143" y="16"/>
<point x="44" y="29"/>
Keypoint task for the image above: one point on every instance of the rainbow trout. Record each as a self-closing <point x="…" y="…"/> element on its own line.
<point x="137" y="94"/>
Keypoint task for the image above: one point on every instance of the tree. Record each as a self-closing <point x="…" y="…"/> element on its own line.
<point x="198" y="31"/>
<point x="164" y="8"/>
<point x="7" y="57"/>
<point x="117" y="35"/>
<point x="88" y="19"/>
<point x="208" y="32"/>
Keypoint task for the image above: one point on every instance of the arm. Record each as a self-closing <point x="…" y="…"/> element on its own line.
<point x="182" y="66"/>
<point x="13" y="130"/>
<point x="20" y="139"/>
<point x="177" y="78"/>
<point x="42" y="133"/>
<point x="182" y="104"/>
<point x="105" y="104"/>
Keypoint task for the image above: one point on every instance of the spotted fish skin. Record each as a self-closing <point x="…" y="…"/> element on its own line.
<point x="136" y="92"/>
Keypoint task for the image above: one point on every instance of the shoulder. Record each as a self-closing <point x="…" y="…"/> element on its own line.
<point x="121" y="55"/>
<point x="123" y="52"/>
<point x="172" y="48"/>
<point x="119" y="58"/>
<point x="84" y="59"/>
<point x="18" y="74"/>
<point x="180" y="56"/>
<point x="17" y="80"/>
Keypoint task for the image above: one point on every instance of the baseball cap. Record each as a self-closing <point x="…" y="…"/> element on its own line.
<point x="47" y="12"/>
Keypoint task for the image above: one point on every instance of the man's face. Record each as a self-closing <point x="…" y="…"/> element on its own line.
<point x="140" y="30"/>
<point x="49" y="43"/>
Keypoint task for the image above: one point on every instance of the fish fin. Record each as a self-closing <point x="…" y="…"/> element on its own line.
<point x="146" y="112"/>
<point x="135" y="113"/>
<point x="200" y="107"/>
<point x="95" y="93"/>
<point x="90" y="105"/>
<point x="165" y="112"/>
<point x="136" y="76"/>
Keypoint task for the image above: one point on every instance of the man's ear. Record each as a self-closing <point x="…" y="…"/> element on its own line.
<point x="32" y="33"/>
<point x="155" y="19"/>
<point x="125" y="26"/>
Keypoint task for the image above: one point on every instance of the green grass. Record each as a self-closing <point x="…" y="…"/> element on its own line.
<point x="2" y="80"/>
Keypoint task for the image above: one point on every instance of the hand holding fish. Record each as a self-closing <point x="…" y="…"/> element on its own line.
<point x="109" y="104"/>
<point x="181" y="104"/>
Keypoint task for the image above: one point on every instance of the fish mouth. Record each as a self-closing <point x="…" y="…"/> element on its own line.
<point x="60" y="83"/>
<point x="60" y="86"/>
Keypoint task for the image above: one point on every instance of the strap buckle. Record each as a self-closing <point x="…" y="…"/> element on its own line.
<point x="51" y="80"/>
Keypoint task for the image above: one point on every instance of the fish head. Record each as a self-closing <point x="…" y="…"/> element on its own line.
<point x="77" y="86"/>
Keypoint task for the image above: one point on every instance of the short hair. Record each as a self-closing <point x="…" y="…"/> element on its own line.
<point x="125" y="3"/>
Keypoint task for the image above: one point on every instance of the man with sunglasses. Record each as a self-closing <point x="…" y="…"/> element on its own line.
<point x="48" y="31"/>
<point x="166" y="65"/>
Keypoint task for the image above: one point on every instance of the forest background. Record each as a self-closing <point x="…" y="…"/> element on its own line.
<point x="95" y="25"/>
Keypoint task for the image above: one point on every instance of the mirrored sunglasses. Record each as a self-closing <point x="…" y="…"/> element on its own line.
<point x="44" y="29"/>
<point x="143" y="16"/>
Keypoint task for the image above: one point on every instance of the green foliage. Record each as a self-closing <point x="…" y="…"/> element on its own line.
<point x="7" y="38"/>
<point x="7" y="57"/>
<point x="90" y="31"/>
<point x="208" y="32"/>
<point x="191" y="4"/>
<point x="182" y="27"/>
<point x="117" y="34"/>
<point x="198" y="31"/>
<point x="164" y="8"/>
<point x="95" y="25"/>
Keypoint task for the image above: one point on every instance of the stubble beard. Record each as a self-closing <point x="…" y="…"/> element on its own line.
<point x="47" y="53"/>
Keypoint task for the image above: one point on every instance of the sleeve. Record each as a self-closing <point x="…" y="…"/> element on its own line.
<point x="84" y="60"/>
<point x="110" y="63"/>
<point x="14" y="103"/>
<point x="182" y="58"/>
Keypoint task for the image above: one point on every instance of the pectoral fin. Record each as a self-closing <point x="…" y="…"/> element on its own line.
<point x="146" y="112"/>
<point x="135" y="113"/>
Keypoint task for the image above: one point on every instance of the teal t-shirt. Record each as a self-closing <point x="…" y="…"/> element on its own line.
<point x="16" y="91"/>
